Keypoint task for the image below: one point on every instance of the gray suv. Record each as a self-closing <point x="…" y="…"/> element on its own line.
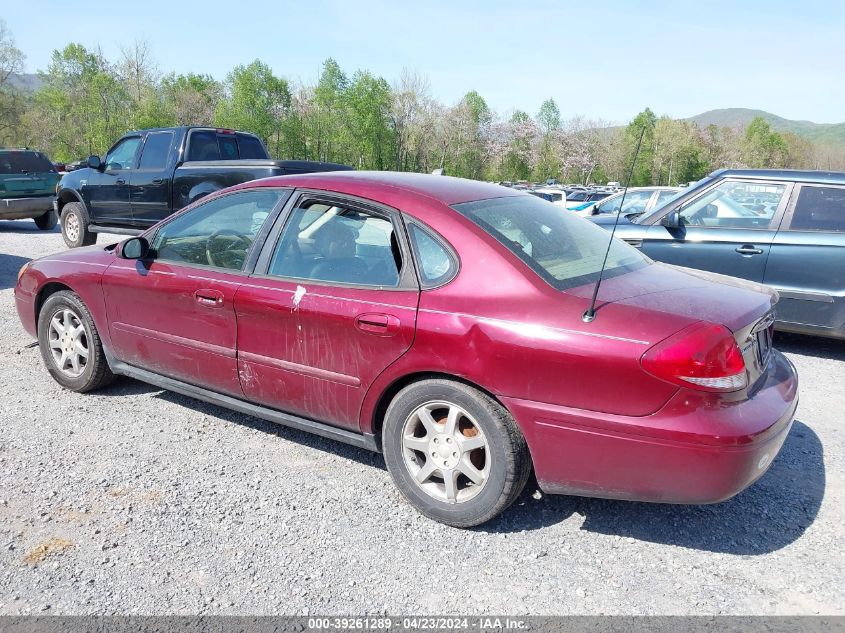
<point x="783" y="228"/>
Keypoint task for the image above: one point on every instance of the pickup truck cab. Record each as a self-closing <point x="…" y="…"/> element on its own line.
<point x="148" y="174"/>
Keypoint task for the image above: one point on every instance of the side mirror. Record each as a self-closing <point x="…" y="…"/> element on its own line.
<point x="135" y="248"/>
<point x="94" y="162"/>
<point x="594" y="210"/>
<point x="671" y="220"/>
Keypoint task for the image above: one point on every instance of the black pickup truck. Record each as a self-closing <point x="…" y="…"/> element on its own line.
<point x="149" y="174"/>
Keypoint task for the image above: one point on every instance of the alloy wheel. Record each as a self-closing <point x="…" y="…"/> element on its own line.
<point x="68" y="342"/>
<point x="446" y="452"/>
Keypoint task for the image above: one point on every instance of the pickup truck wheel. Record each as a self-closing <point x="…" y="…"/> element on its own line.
<point x="455" y="453"/>
<point x="48" y="221"/>
<point x="70" y="344"/>
<point x="75" y="226"/>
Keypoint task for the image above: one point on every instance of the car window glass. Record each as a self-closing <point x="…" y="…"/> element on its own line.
<point x="250" y="147"/>
<point x="217" y="233"/>
<point x="24" y="162"/>
<point x="203" y="145"/>
<point x="156" y="148"/>
<point x="819" y="209"/>
<point x="123" y="154"/>
<point x="560" y="247"/>
<point x="665" y="196"/>
<point x="635" y="202"/>
<point x="732" y="204"/>
<point x="228" y="147"/>
<point x="434" y="262"/>
<point x="329" y="242"/>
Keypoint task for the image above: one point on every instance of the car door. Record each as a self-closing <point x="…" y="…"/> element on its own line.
<point x="332" y="304"/>
<point x="726" y="229"/>
<point x="149" y="184"/>
<point x="107" y="191"/>
<point x="174" y="313"/>
<point x="807" y="259"/>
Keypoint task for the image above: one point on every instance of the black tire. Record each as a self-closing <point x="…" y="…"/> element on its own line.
<point x="48" y="221"/>
<point x="96" y="372"/>
<point x="75" y="226"/>
<point x="510" y="464"/>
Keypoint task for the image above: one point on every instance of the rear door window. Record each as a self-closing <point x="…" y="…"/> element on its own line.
<point x="819" y="208"/>
<point x="156" y="149"/>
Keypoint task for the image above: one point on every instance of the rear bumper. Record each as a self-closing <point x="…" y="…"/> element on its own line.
<point x="17" y="208"/>
<point x="699" y="448"/>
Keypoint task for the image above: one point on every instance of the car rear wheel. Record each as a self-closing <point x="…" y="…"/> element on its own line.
<point x="48" y="221"/>
<point x="455" y="453"/>
<point x="70" y="344"/>
<point x="75" y="226"/>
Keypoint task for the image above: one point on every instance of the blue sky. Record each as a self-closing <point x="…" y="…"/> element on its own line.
<point x="605" y="60"/>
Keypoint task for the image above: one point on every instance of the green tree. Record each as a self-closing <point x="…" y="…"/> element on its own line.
<point x="762" y="147"/>
<point x="548" y="118"/>
<point x="258" y="102"/>
<point x="83" y="106"/>
<point x="368" y="102"/>
<point x="12" y="104"/>
<point x="645" y="120"/>
<point x="191" y="99"/>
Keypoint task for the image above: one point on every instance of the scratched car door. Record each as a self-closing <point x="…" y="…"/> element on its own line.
<point x="332" y="303"/>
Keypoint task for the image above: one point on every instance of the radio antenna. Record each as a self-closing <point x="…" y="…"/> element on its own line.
<point x="590" y="314"/>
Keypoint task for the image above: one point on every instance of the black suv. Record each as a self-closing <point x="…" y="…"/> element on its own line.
<point x="782" y="228"/>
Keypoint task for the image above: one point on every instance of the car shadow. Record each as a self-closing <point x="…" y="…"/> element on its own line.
<point x="9" y="267"/>
<point x="774" y="512"/>
<point x="304" y="438"/>
<point x="24" y="226"/>
<point x="829" y="348"/>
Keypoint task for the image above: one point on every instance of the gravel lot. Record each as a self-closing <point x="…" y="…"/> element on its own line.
<point x="136" y="500"/>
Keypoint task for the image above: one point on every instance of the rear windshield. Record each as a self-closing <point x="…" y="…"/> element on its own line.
<point x="206" y="145"/>
<point x="564" y="249"/>
<point x="24" y="162"/>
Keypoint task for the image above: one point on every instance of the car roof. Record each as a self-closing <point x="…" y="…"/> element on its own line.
<point x="369" y="184"/>
<point x="797" y="175"/>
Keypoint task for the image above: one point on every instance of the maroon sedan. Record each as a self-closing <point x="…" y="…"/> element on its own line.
<point x="439" y="321"/>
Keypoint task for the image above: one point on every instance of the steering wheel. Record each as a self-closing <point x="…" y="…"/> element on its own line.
<point x="233" y="236"/>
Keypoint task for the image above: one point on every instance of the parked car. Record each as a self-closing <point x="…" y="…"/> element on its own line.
<point x="27" y="186"/>
<point x="438" y="320"/>
<point x="149" y="174"/>
<point x="577" y="198"/>
<point x="550" y="194"/>
<point x="783" y="228"/>
<point x="637" y="200"/>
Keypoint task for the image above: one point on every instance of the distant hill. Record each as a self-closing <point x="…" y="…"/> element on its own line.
<point x="833" y="133"/>
<point x="25" y="82"/>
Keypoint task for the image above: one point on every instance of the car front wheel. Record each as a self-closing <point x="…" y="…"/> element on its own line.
<point x="75" y="226"/>
<point x="454" y="452"/>
<point x="70" y="344"/>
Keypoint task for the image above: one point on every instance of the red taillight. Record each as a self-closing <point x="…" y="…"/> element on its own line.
<point x="221" y="130"/>
<point x="703" y="356"/>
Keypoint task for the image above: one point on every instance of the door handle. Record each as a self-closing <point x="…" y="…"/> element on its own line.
<point x="749" y="249"/>
<point x="208" y="297"/>
<point x="377" y="323"/>
<point x="120" y="181"/>
<point x="635" y="242"/>
<point x="158" y="181"/>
